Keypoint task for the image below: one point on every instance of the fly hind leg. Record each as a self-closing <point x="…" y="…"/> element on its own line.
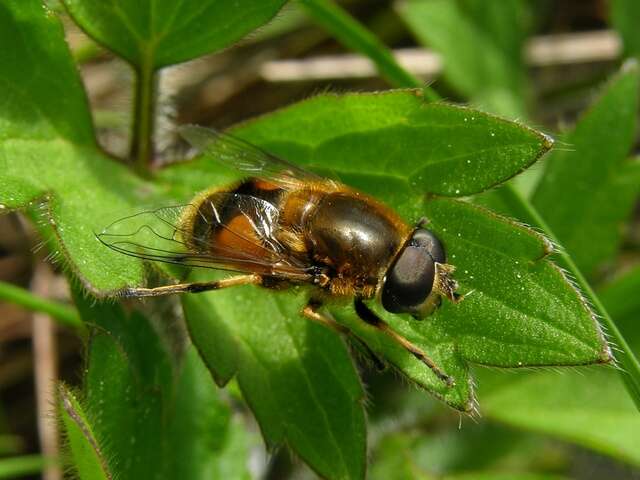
<point x="369" y="317"/>
<point x="196" y="287"/>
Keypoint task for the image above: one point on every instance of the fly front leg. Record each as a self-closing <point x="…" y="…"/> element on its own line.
<point x="311" y="312"/>
<point x="368" y="316"/>
<point x="195" y="287"/>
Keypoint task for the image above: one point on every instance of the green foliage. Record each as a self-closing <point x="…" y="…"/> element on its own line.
<point x="589" y="409"/>
<point x="525" y="211"/>
<point x="519" y="311"/>
<point x="161" y="33"/>
<point x="453" y="454"/>
<point x="455" y="151"/>
<point x="481" y="45"/>
<point x="354" y="36"/>
<point x="610" y="211"/>
<point x="600" y="193"/>
<point x="625" y="15"/>
<point x="517" y="294"/>
<point x="30" y="112"/>
<point x="346" y="149"/>
<point x="136" y="399"/>
<point x="48" y="150"/>
<point x="622" y="300"/>
<point x="500" y="261"/>
<point x="296" y="376"/>
<point x="412" y="455"/>
<point x="589" y="187"/>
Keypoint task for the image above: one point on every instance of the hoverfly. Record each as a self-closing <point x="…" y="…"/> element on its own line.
<point x="284" y="226"/>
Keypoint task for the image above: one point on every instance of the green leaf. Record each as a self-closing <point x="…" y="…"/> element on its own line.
<point x="450" y="453"/>
<point x="630" y="367"/>
<point x="39" y="58"/>
<point x="531" y="214"/>
<point x="606" y="421"/>
<point x="516" y="290"/>
<point x="207" y="440"/>
<point x="152" y="34"/>
<point x="152" y="415"/>
<point x="602" y="418"/>
<point x="520" y="309"/>
<point x="127" y="382"/>
<point x="625" y="17"/>
<point x="436" y="148"/>
<point x="393" y="460"/>
<point x="87" y="459"/>
<point x="537" y="318"/>
<point x="481" y="45"/>
<point x="589" y="187"/>
<point x="161" y="33"/>
<point x="296" y="376"/>
<point x="48" y="151"/>
<point x="590" y="409"/>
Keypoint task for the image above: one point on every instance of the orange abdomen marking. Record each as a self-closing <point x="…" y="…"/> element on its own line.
<point x="230" y="232"/>
<point x="236" y="238"/>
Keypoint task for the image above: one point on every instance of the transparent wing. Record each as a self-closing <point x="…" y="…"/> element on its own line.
<point x="242" y="240"/>
<point x="241" y="155"/>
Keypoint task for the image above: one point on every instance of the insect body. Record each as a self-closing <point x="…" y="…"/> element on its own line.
<point x="284" y="226"/>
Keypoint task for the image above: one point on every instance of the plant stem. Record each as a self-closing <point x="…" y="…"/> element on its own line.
<point x="143" y="118"/>
<point x="356" y="36"/>
<point x="630" y="367"/>
<point x="66" y="316"/>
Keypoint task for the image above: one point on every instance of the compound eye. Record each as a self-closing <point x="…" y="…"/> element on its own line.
<point x="425" y="239"/>
<point x="409" y="281"/>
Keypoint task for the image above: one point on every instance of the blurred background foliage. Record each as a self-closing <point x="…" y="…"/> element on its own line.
<point x="544" y="62"/>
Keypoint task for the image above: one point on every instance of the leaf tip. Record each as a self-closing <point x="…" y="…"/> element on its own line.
<point x="606" y="355"/>
<point x="64" y="394"/>
<point x="547" y="141"/>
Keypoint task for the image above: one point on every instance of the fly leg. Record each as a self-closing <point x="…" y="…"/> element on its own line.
<point x="311" y="312"/>
<point x="196" y="287"/>
<point x="369" y="317"/>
